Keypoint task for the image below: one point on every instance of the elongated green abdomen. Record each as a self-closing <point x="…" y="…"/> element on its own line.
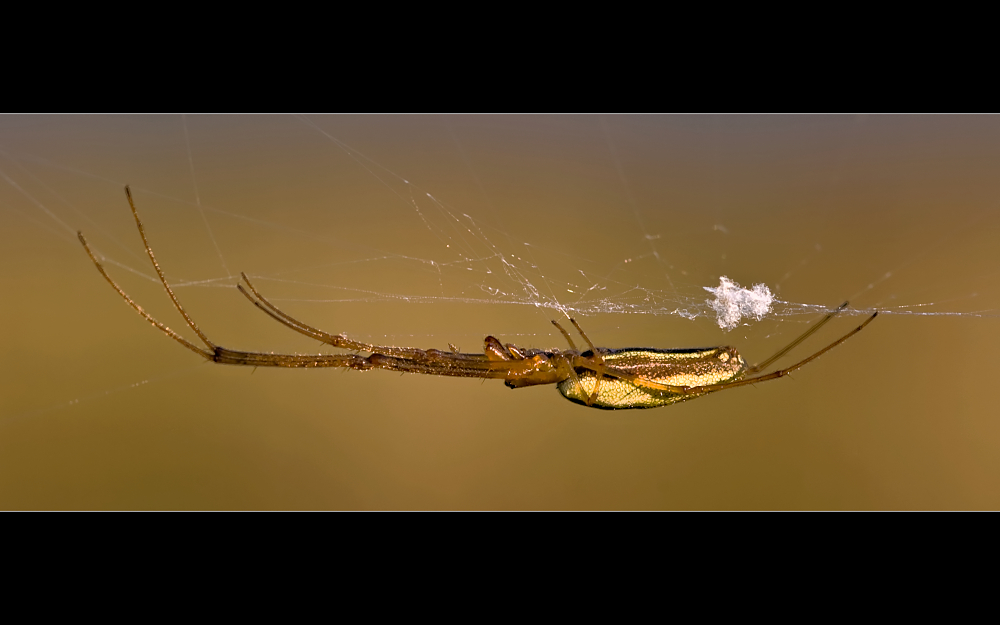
<point x="673" y="367"/>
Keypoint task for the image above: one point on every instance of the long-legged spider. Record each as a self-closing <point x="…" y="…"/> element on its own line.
<point x="636" y="377"/>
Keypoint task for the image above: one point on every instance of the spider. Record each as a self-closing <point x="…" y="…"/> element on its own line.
<point x="600" y="377"/>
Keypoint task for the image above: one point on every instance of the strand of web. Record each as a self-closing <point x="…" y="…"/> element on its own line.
<point x="197" y="198"/>
<point x="68" y="233"/>
<point x="462" y="247"/>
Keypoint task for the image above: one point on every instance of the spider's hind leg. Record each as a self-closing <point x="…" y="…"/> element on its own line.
<point x="757" y="368"/>
<point x="774" y="375"/>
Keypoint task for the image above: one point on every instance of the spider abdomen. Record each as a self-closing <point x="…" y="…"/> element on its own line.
<point x="671" y="367"/>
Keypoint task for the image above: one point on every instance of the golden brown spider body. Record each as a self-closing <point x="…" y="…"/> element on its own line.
<point x="612" y="379"/>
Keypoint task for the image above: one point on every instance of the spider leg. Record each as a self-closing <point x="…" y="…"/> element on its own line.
<point x="177" y="337"/>
<point x="222" y="354"/>
<point x="640" y="381"/>
<point x="159" y="272"/>
<point x="227" y="356"/>
<point x="298" y="326"/>
<point x="433" y="362"/>
<point x="565" y="334"/>
<point x="407" y="360"/>
<point x="572" y="346"/>
<point x="336" y="340"/>
<point x="444" y="365"/>
<point x="404" y="359"/>
<point x="764" y="365"/>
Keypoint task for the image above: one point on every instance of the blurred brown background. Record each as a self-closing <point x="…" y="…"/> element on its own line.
<point x="98" y="410"/>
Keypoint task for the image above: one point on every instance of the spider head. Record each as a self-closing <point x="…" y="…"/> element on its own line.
<point x="538" y="368"/>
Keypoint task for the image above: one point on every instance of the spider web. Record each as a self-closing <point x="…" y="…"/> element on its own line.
<point x="490" y="265"/>
<point x="604" y="245"/>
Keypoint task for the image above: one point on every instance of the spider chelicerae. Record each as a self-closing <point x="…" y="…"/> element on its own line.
<point x="600" y="377"/>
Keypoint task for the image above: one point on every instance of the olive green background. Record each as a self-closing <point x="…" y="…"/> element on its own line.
<point x="98" y="410"/>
